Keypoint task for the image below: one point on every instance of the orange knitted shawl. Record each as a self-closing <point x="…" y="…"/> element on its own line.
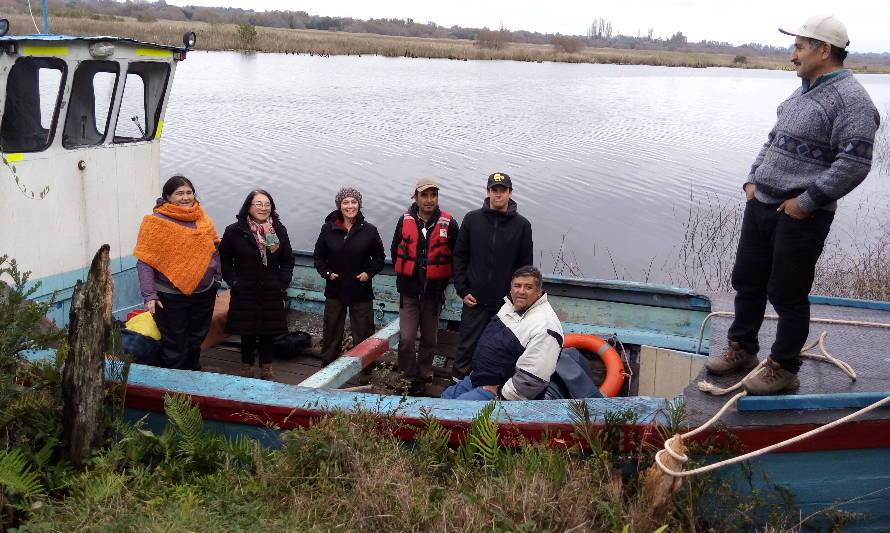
<point x="178" y="252"/>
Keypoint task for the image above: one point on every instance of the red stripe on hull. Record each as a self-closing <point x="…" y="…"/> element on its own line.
<point x="851" y="436"/>
<point x="369" y="350"/>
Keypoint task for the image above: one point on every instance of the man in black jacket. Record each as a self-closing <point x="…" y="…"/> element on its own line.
<point x="493" y="242"/>
<point x="422" y="248"/>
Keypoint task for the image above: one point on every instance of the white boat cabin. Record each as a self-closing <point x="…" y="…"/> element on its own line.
<point x="81" y="120"/>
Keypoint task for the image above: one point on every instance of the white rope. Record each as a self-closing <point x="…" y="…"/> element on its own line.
<point x="755" y="453"/>
<point x="31" y="12"/>
<point x="825" y="356"/>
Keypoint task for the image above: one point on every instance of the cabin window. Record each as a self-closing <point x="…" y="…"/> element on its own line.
<point x="33" y="93"/>
<point x="140" y="110"/>
<point x="92" y="92"/>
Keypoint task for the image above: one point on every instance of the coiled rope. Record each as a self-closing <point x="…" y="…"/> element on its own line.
<point x="677" y="440"/>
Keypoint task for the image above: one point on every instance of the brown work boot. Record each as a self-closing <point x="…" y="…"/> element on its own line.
<point x="733" y="358"/>
<point x="266" y="372"/>
<point x="771" y="379"/>
<point x="247" y="371"/>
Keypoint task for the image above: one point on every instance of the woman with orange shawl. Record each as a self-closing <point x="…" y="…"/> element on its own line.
<point x="179" y="271"/>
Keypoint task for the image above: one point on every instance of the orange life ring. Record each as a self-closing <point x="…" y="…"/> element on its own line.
<point x="614" y="366"/>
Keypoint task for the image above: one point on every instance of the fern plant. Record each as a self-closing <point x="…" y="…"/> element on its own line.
<point x="17" y="476"/>
<point x="193" y="445"/>
<point x="480" y="447"/>
<point x="432" y="442"/>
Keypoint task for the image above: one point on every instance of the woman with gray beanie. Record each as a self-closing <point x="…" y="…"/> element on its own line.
<point x="348" y="253"/>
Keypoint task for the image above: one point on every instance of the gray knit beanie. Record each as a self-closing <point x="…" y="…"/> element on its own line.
<point x="348" y="192"/>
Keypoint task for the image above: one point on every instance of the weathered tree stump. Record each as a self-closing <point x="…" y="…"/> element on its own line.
<point x="83" y="389"/>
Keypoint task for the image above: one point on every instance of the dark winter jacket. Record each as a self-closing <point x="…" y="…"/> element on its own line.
<point x="490" y="247"/>
<point x="417" y="284"/>
<point x="348" y="255"/>
<point x="257" y="305"/>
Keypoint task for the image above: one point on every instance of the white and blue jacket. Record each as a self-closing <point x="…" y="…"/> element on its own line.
<point x="518" y="351"/>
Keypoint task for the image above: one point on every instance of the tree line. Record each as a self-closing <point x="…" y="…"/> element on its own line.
<point x="600" y="33"/>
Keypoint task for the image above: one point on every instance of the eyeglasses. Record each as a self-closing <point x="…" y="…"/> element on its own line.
<point x="260" y="205"/>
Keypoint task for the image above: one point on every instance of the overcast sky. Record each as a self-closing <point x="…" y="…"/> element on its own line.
<point x="732" y="21"/>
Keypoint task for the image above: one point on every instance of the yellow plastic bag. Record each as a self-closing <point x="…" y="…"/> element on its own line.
<point x="144" y="324"/>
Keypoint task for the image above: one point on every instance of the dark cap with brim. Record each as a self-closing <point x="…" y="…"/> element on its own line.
<point x="499" y="178"/>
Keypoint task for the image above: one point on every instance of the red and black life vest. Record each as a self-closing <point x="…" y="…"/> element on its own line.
<point x="438" y="255"/>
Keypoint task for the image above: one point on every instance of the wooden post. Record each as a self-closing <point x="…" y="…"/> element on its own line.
<point x="659" y="488"/>
<point x="83" y="390"/>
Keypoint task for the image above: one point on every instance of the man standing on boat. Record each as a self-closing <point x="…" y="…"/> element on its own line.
<point x="517" y="352"/>
<point x="819" y="150"/>
<point x="422" y="248"/>
<point x="493" y="242"/>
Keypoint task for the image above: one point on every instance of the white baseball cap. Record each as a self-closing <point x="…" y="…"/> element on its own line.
<point x="825" y="28"/>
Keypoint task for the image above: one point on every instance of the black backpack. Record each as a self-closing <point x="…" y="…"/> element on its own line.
<point x="290" y="345"/>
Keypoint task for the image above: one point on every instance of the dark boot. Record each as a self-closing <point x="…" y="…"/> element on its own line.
<point x="733" y="359"/>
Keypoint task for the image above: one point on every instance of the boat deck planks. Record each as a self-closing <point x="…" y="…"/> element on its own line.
<point x="226" y="359"/>
<point x="865" y="349"/>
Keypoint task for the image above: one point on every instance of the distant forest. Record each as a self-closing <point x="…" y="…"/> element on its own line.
<point x="599" y="34"/>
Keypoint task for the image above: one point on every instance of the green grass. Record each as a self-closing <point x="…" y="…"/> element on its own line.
<point x="349" y="472"/>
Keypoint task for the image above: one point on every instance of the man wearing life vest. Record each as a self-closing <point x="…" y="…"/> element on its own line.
<point x="422" y="247"/>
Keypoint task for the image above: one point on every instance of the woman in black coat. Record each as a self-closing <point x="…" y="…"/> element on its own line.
<point x="348" y="253"/>
<point x="257" y="263"/>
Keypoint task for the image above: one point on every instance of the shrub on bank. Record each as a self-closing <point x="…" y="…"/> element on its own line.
<point x="568" y="45"/>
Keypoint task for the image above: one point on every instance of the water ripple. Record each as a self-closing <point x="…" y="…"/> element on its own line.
<point x="603" y="154"/>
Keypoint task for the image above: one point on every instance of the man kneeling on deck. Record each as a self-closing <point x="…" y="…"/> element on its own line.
<point x="517" y="352"/>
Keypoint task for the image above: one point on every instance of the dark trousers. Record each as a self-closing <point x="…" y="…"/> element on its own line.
<point x="776" y="260"/>
<point x="249" y="348"/>
<point x="472" y="321"/>
<point x="184" y="322"/>
<point x="361" y="321"/>
<point x="418" y="312"/>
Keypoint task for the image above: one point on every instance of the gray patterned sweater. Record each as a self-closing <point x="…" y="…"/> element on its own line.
<point x="821" y="146"/>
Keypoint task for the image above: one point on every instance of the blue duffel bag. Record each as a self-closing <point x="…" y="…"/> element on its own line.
<point x="573" y="378"/>
<point x="144" y="350"/>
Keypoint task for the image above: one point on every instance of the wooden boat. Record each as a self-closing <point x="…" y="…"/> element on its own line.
<point x="657" y="325"/>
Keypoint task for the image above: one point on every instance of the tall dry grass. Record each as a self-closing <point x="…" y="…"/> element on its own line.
<point x="854" y="265"/>
<point x="710" y="237"/>
<point x="316" y="42"/>
<point x="346" y="473"/>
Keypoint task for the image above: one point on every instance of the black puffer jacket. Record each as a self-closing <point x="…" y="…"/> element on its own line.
<point x="348" y="255"/>
<point x="257" y="306"/>
<point x="491" y="245"/>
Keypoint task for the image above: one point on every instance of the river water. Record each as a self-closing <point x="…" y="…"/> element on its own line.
<point x="611" y="159"/>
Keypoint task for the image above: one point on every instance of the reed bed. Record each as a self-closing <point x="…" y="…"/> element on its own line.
<point x="324" y="43"/>
<point x="857" y="266"/>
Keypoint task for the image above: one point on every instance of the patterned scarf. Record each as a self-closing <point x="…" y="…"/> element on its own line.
<point x="265" y="237"/>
